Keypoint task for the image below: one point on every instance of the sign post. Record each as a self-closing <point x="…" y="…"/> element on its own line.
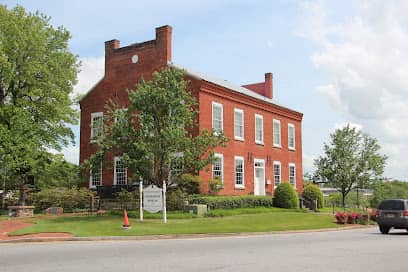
<point x="164" y="203"/>
<point x="154" y="199"/>
<point x="141" y="199"/>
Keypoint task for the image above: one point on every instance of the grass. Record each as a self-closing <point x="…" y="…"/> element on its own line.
<point x="227" y="221"/>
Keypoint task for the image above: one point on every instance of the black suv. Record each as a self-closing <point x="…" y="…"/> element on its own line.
<point x="392" y="213"/>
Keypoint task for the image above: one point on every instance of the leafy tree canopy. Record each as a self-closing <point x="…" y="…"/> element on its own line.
<point x="350" y="159"/>
<point x="158" y="129"/>
<point x="37" y="74"/>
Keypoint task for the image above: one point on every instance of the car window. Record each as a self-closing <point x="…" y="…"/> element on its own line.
<point x="392" y="205"/>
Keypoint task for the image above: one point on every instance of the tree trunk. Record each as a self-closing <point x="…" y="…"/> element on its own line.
<point x="343" y="201"/>
<point x="22" y="196"/>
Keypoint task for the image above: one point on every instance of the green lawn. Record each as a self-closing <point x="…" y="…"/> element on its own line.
<point x="242" y="220"/>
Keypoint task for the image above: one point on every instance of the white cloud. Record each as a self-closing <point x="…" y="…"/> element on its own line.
<point x="351" y="125"/>
<point x="308" y="163"/>
<point x="71" y="154"/>
<point x="365" y="56"/>
<point x="92" y="70"/>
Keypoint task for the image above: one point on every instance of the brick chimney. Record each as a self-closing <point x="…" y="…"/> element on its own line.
<point x="269" y="85"/>
<point x="163" y="40"/>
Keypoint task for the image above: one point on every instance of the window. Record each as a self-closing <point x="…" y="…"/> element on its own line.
<point x="95" y="177"/>
<point x="276" y="133"/>
<point x="176" y="164"/>
<point x="239" y="124"/>
<point x="291" y="136"/>
<point x="217" y="116"/>
<point x="239" y="172"/>
<point x="258" y="129"/>
<point x="96" y="125"/>
<point x="218" y="166"/>
<point x="277" y="173"/>
<point x="292" y="174"/>
<point x="120" y="171"/>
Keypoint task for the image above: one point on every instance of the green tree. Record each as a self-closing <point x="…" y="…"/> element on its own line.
<point x="58" y="173"/>
<point x="391" y="189"/>
<point x="159" y="124"/>
<point x="37" y="74"/>
<point x="350" y="159"/>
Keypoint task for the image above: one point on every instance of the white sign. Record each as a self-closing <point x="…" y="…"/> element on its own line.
<point x="153" y="199"/>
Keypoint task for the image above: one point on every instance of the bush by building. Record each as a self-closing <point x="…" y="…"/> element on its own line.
<point x="231" y="202"/>
<point x="285" y="196"/>
<point x="313" y="192"/>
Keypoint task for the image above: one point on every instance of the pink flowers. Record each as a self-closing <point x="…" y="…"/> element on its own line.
<point x="350" y="218"/>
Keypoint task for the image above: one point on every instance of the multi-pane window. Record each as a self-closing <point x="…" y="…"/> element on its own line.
<point x="239" y="124"/>
<point x="217" y="166"/>
<point x="258" y="129"/>
<point x="276" y="133"/>
<point x="239" y="172"/>
<point x="95" y="178"/>
<point x="120" y="171"/>
<point x="276" y="173"/>
<point x="96" y="125"/>
<point x="292" y="174"/>
<point x="291" y="136"/>
<point x="176" y="165"/>
<point x="217" y="116"/>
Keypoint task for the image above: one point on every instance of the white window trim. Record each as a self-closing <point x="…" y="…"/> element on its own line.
<point x="243" y="125"/>
<point x="90" y="178"/>
<point x="93" y="115"/>
<point x="239" y="186"/>
<point x="280" y="172"/>
<point x="115" y="182"/>
<point x="220" y="156"/>
<point x="262" y="161"/>
<point x="276" y="121"/>
<point x="294" y="173"/>
<point x="294" y="137"/>
<point x="260" y="117"/>
<point x="215" y="104"/>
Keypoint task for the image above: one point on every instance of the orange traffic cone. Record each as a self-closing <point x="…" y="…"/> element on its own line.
<point x="126" y="224"/>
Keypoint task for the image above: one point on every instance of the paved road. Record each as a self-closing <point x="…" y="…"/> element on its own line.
<point x="350" y="250"/>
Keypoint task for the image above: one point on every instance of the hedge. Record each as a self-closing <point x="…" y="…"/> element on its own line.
<point x="231" y="202"/>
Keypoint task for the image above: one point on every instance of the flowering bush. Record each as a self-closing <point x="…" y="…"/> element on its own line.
<point x="350" y="218"/>
<point x="341" y="217"/>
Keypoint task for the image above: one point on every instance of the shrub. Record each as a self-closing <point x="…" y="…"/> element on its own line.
<point x="68" y="199"/>
<point x="341" y="217"/>
<point x="285" y="196"/>
<point x="215" y="185"/>
<point x="124" y="197"/>
<point x="175" y="200"/>
<point x="188" y="183"/>
<point x="231" y="202"/>
<point x="313" y="192"/>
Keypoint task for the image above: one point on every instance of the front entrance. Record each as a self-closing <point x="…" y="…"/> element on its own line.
<point x="259" y="177"/>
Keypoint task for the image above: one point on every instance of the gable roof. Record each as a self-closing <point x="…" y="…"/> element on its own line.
<point x="229" y="85"/>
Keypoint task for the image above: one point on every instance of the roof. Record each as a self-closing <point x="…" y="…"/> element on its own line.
<point x="229" y="85"/>
<point x="217" y="81"/>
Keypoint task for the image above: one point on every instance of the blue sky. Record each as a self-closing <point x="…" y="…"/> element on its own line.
<point x="337" y="62"/>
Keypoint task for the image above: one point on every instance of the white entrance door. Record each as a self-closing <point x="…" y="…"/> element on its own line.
<point x="259" y="177"/>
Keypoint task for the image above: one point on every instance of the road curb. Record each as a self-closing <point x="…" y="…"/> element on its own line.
<point x="172" y="236"/>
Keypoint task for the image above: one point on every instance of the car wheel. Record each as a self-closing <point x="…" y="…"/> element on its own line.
<point x="384" y="229"/>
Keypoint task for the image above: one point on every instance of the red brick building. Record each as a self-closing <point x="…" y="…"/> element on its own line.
<point x="265" y="142"/>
